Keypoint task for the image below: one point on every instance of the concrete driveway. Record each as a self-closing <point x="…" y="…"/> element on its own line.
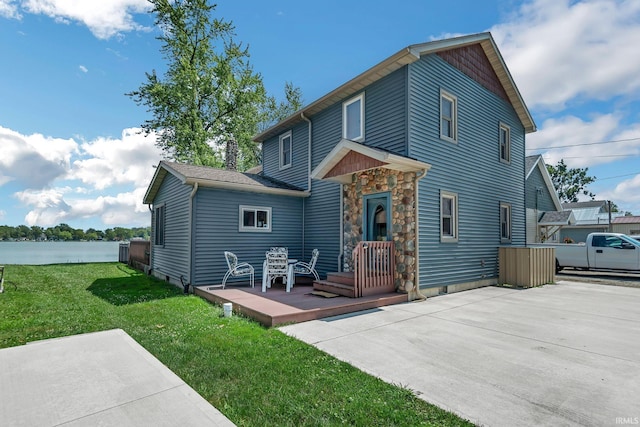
<point x="564" y="354"/>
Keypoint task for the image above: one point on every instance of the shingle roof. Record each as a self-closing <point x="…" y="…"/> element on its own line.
<point x="626" y="220"/>
<point x="556" y="218"/>
<point x="530" y="162"/>
<point x="219" y="178"/>
<point x="406" y="56"/>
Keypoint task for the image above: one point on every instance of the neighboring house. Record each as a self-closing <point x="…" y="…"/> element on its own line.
<point x="425" y="150"/>
<point x="591" y="217"/>
<point x="629" y="225"/>
<point x="545" y="215"/>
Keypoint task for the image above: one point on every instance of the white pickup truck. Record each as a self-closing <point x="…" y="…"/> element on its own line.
<point x="601" y="251"/>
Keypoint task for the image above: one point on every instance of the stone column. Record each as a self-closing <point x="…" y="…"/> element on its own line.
<point x="402" y="186"/>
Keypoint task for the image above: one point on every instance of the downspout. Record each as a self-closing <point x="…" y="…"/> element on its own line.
<point x="341" y="253"/>
<point x="186" y="285"/>
<point x="303" y="117"/>
<point x="151" y="238"/>
<point x="304" y="200"/>
<point x="419" y="295"/>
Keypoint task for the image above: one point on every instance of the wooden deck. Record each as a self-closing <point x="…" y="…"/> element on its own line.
<point x="277" y="307"/>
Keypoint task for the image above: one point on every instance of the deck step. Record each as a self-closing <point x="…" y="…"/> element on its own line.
<point x="345" y="278"/>
<point x="335" y="287"/>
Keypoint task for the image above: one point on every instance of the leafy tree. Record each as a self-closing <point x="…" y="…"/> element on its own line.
<point x="24" y="232"/>
<point x="122" y="233"/>
<point x="65" y="235"/>
<point x="36" y="232"/>
<point x="209" y="99"/>
<point x="5" y="232"/>
<point x="570" y="182"/>
<point x="279" y="111"/>
<point x="79" y="234"/>
<point x="109" y="234"/>
<point x="66" y="232"/>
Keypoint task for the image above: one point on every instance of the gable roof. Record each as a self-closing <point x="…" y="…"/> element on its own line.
<point x="373" y="157"/>
<point x="585" y="205"/>
<point x="530" y="163"/>
<point x="557" y="218"/>
<point x="406" y="56"/>
<point x="591" y="212"/>
<point x="205" y="176"/>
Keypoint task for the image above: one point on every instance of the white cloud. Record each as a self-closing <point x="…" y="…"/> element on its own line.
<point x="53" y="206"/>
<point x="626" y="195"/>
<point x="2" y="214"/>
<point x="83" y="68"/>
<point x="127" y="160"/>
<point x="114" y="174"/>
<point x="9" y="9"/>
<point x="577" y="57"/>
<point x="561" y="50"/>
<point x="33" y="160"/>
<point x="104" y="18"/>
<point x="48" y="206"/>
<point x="571" y="130"/>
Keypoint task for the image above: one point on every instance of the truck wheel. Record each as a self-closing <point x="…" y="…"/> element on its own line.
<point x="558" y="267"/>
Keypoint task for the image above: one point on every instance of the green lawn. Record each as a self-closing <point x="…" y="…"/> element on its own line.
<point x="255" y="376"/>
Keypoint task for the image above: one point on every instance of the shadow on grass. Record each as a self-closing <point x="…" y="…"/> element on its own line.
<point x="132" y="289"/>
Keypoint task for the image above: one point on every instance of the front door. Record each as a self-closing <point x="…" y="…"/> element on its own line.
<point x="377" y="217"/>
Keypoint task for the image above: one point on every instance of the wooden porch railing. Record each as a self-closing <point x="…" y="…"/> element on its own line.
<point x="374" y="267"/>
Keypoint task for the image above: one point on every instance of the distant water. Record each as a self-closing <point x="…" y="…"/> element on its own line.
<point x="32" y="253"/>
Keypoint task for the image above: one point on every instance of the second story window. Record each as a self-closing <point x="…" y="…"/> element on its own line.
<point x="505" y="143"/>
<point x="285" y="150"/>
<point x="448" y="117"/>
<point x="505" y="222"/>
<point x="353" y="118"/>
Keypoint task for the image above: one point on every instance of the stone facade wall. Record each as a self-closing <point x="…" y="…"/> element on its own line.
<point x="402" y="186"/>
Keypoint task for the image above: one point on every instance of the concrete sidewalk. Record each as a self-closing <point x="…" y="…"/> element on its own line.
<point x="104" y="378"/>
<point x="565" y="354"/>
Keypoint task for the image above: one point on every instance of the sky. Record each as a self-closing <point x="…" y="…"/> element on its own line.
<point x="70" y="144"/>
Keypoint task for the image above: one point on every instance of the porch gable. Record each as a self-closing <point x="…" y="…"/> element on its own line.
<point x="349" y="157"/>
<point x="354" y="162"/>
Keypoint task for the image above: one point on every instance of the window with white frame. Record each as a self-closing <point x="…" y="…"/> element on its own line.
<point x="353" y="118"/>
<point x="505" y="222"/>
<point x="448" y="116"/>
<point x="159" y="224"/>
<point x="448" y="217"/>
<point x="505" y="143"/>
<point x="255" y="219"/>
<point x="285" y="150"/>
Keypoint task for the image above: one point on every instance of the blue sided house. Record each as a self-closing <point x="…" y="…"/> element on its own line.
<point x="406" y="178"/>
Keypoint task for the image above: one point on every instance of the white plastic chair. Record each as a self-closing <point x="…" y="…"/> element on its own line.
<point x="308" y="268"/>
<point x="237" y="270"/>
<point x="276" y="265"/>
